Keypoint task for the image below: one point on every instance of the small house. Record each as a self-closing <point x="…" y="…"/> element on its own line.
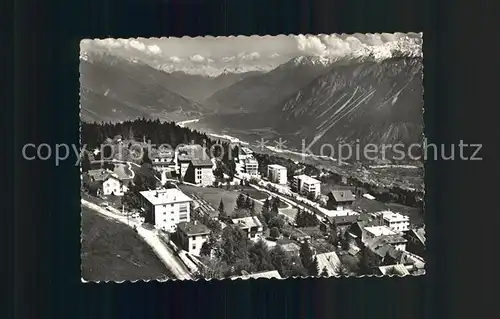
<point x="340" y="199"/>
<point x="192" y="236"/>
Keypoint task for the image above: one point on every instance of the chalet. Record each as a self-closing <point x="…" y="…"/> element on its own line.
<point x="341" y="218"/>
<point x="185" y="153"/>
<point x="108" y="182"/>
<point x="192" y="236"/>
<point x="340" y="199"/>
<point x="250" y="225"/>
<point x="163" y="161"/>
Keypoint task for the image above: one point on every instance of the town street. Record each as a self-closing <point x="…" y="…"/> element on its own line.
<point x="149" y="236"/>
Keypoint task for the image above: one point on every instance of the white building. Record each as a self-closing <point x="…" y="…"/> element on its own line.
<point x="166" y="208"/>
<point x="163" y="161"/>
<point x="251" y="166"/>
<point x="200" y="171"/>
<point x="306" y="185"/>
<point x="184" y="154"/>
<point x="110" y="183"/>
<point x="192" y="236"/>
<point x="251" y="225"/>
<point x="277" y="174"/>
<point x="395" y="221"/>
<point x="376" y="231"/>
<point x="383" y="235"/>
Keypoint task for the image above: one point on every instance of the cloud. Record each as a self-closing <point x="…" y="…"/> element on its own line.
<point x="228" y="58"/>
<point x="274" y="55"/>
<point x="249" y="56"/>
<point x="197" y="58"/>
<point x="128" y="44"/>
<point x="342" y="45"/>
<point x="311" y="44"/>
<point x="154" y="49"/>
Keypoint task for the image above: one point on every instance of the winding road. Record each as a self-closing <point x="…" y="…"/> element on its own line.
<point x="164" y="253"/>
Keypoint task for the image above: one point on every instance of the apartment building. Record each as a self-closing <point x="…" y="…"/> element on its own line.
<point x="251" y="166"/>
<point x="277" y="174"/>
<point x="200" y="171"/>
<point x="306" y="185"/>
<point x="166" y="208"/>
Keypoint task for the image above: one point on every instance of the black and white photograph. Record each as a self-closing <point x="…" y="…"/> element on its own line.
<point x="247" y="157"/>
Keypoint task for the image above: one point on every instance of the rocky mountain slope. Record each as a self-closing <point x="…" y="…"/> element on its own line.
<point x="112" y="84"/>
<point x="261" y="92"/>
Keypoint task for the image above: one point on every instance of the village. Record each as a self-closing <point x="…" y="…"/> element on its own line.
<point x="250" y="221"/>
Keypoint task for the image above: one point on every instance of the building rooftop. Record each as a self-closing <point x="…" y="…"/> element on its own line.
<point x="379" y="231"/>
<point x="247" y="222"/>
<point x="251" y="161"/>
<point x="290" y="247"/>
<point x="340" y="213"/>
<point x="265" y="274"/>
<point x="393" y="217"/>
<point x="385" y="241"/>
<point x="202" y="162"/>
<point x="343" y="195"/>
<point x="276" y="166"/>
<point x="193" y="228"/>
<point x="398" y="269"/>
<point x="329" y="261"/>
<point x="307" y="179"/>
<point x="191" y="151"/>
<point x="101" y="175"/>
<point x="246" y="151"/>
<point x="165" y="196"/>
<point x="420" y="234"/>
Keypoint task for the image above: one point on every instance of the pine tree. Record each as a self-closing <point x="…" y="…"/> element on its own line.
<point x="85" y="162"/>
<point x="248" y="202"/>
<point x="307" y="258"/>
<point x="222" y="211"/>
<point x="313" y="267"/>
<point x="240" y="201"/>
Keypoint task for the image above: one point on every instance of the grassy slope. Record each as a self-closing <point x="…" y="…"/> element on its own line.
<point x="112" y="251"/>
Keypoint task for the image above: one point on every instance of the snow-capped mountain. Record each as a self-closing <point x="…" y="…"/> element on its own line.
<point x="354" y="102"/>
<point x="260" y="92"/>
<point x="373" y="102"/>
<point x="190" y="85"/>
<point x="129" y="88"/>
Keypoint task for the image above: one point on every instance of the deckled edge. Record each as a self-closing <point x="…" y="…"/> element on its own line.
<point x="229" y="279"/>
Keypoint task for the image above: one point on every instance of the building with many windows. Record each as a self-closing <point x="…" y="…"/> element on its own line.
<point x="166" y="208"/>
<point x="306" y="185"/>
<point x="200" y="172"/>
<point x="277" y="174"/>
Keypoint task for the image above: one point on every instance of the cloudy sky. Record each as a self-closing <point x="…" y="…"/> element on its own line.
<point x="216" y="54"/>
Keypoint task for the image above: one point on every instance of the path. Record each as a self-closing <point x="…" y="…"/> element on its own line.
<point x="288" y="201"/>
<point x="151" y="238"/>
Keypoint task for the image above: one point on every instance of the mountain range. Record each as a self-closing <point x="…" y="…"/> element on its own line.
<point x="376" y="98"/>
